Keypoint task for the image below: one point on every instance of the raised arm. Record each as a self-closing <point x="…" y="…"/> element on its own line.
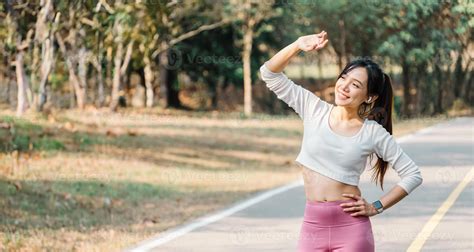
<point x="304" y="102"/>
<point x="306" y="43"/>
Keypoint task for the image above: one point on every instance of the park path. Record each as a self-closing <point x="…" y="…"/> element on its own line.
<point x="437" y="216"/>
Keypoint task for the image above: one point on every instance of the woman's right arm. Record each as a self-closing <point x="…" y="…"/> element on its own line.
<point x="305" y="103"/>
<point x="306" y="43"/>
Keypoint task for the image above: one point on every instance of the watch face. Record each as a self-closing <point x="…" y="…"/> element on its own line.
<point x="377" y="204"/>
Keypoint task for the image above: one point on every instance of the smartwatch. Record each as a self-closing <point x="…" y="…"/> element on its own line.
<point x="378" y="206"/>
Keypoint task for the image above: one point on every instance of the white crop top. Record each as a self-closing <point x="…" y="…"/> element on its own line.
<point x="342" y="158"/>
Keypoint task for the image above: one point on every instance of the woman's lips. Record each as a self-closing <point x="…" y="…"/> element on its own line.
<point x="343" y="96"/>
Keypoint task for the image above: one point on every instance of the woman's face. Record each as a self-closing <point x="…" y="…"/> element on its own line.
<point x="351" y="88"/>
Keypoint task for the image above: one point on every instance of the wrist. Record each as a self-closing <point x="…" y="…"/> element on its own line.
<point x="378" y="207"/>
<point x="374" y="210"/>
<point x="295" y="48"/>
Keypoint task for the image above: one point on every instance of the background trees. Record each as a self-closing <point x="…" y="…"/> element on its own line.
<point x="85" y="53"/>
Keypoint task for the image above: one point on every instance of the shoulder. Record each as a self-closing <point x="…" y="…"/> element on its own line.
<point x="376" y="131"/>
<point x="375" y="126"/>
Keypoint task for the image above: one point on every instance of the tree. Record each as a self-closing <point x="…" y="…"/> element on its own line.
<point x="249" y="14"/>
<point x="19" y="36"/>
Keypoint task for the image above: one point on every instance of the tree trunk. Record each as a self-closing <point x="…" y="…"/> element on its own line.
<point x="215" y="92"/>
<point x="406" y="89"/>
<point x="47" y="55"/>
<point x="116" y="77"/>
<point x="148" y="77"/>
<point x="78" y="85"/>
<point x="97" y="63"/>
<point x="425" y="96"/>
<point x="246" y="54"/>
<point x="4" y="76"/>
<point x="173" y="91"/>
<point x="22" y="83"/>
<point x="108" y="70"/>
<point x="44" y="41"/>
<point x="120" y="67"/>
<point x="458" y="76"/>
<point x="467" y="94"/>
<point x="82" y="65"/>
<point x="438" y="106"/>
<point x="163" y="61"/>
<point x="169" y="94"/>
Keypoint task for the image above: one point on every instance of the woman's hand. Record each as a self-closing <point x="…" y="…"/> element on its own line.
<point x="312" y="42"/>
<point x="360" y="207"/>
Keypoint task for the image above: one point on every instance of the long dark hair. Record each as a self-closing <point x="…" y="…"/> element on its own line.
<point x="380" y="84"/>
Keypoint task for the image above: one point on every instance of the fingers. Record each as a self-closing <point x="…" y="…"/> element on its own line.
<point x="360" y="210"/>
<point x="322" y="44"/>
<point x="352" y="204"/>
<point x="319" y="46"/>
<point x="351" y="208"/>
<point x="356" y="214"/>
<point x="323" y="35"/>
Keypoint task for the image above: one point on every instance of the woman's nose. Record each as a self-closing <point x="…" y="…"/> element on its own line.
<point x="345" y="85"/>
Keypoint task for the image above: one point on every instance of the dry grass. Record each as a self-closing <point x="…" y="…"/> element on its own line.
<point x="124" y="177"/>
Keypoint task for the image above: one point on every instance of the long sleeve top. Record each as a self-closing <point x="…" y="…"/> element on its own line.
<point x="342" y="158"/>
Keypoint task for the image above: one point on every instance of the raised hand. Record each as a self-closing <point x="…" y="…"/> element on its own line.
<point x="312" y="42"/>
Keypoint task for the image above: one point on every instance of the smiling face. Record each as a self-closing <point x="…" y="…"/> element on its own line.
<point x="351" y="88"/>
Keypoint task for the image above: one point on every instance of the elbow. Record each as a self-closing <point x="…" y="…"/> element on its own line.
<point x="410" y="183"/>
<point x="268" y="75"/>
<point x="263" y="75"/>
<point x="419" y="178"/>
<point x="417" y="181"/>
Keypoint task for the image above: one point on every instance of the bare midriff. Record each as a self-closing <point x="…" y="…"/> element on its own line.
<point x="321" y="188"/>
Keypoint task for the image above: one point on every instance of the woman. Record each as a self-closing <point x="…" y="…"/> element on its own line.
<point x="336" y="142"/>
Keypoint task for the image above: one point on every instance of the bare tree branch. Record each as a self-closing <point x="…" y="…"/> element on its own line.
<point x="189" y="35"/>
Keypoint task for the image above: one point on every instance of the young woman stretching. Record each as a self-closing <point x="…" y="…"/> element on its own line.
<point x="336" y="142"/>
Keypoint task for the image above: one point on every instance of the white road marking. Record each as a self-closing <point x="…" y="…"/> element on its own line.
<point x="174" y="233"/>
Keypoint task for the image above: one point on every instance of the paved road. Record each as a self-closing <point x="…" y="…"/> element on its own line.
<point x="445" y="154"/>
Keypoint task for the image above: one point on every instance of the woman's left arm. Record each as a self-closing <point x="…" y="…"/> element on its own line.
<point x="391" y="198"/>
<point x="388" y="149"/>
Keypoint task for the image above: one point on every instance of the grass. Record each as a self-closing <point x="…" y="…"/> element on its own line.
<point x="95" y="181"/>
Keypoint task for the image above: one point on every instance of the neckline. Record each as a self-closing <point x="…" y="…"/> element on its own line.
<point x="334" y="133"/>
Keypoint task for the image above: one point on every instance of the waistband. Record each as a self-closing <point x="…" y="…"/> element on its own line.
<point x="330" y="214"/>
<point x="329" y="203"/>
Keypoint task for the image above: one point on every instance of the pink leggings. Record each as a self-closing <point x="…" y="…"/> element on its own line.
<point x="326" y="227"/>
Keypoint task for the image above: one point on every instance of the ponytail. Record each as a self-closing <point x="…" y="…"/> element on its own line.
<point x="382" y="114"/>
<point x="380" y="84"/>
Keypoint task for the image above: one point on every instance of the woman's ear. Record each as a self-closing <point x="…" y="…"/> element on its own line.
<point x="372" y="98"/>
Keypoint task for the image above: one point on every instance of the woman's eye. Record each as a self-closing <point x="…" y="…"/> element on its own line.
<point x="355" y="85"/>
